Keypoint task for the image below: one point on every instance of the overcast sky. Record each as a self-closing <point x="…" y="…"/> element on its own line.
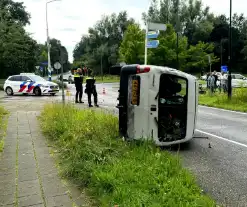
<point x="69" y="19"/>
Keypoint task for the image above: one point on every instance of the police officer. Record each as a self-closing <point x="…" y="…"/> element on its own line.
<point x="91" y="89"/>
<point x="78" y="79"/>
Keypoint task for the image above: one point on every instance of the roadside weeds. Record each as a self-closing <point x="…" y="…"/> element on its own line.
<point x="116" y="172"/>
<point x="3" y="126"/>
<point x="238" y="101"/>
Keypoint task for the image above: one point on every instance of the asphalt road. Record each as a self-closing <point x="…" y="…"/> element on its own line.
<point x="217" y="157"/>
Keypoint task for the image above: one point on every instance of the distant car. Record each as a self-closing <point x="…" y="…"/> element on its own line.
<point x="29" y="83"/>
<point x="66" y="78"/>
<point x="204" y="77"/>
<point x="238" y="80"/>
<point x="71" y="79"/>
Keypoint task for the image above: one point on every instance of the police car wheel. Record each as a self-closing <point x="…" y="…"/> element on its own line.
<point x="9" y="91"/>
<point x="37" y="91"/>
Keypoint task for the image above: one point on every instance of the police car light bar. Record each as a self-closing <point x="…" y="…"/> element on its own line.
<point x="27" y="74"/>
<point x="142" y="69"/>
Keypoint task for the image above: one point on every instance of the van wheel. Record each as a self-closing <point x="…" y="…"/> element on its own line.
<point x="37" y="91"/>
<point x="9" y="91"/>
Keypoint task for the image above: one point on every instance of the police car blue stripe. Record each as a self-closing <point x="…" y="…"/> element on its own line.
<point x="23" y="83"/>
<point x="30" y="85"/>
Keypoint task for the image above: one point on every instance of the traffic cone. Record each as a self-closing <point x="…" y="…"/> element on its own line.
<point x="67" y="93"/>
<point x="104" y="91"/>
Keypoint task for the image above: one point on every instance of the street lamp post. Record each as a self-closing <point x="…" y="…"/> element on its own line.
<point x="48" y="40"/>
<point x="230" y="55"/>
<point x="177" y="28"/>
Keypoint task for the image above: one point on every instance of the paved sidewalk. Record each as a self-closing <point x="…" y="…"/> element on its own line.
<point x="28" y="176"/>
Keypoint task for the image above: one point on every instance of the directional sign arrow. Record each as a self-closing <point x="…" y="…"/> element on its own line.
<point x="156" y="26"/>
<point x="153" y="44"/>
<point x="153" y="34"/>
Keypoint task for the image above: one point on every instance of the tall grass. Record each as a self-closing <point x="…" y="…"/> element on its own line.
<point x="238" y="102"/>
<point x="3" y="125"/>
<point x="113" y="171"/>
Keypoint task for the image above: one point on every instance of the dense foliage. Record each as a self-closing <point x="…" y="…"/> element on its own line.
<point x="19" y="52"/>
<point x="116" y="38"/>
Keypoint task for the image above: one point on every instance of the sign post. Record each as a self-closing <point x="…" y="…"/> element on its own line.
<point x="58" y="66"/>
<point x="209" y="62"/>
<point x="157" y="27"/>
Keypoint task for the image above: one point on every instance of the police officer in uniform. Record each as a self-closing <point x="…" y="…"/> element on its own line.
<point x="91" y="89"/>
<point x="78" y="79"/>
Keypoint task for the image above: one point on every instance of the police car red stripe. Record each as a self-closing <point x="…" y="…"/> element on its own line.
<point x="22" y="87"/>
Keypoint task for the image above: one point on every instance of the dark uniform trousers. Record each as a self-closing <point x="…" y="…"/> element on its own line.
<point x="79" y="92"/>
<point x="78" y="79"/>
<point x="93" y="92"/>
<point x="91" y="89"/>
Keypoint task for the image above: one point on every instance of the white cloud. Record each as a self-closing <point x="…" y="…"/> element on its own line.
<point x="69" y="19"/>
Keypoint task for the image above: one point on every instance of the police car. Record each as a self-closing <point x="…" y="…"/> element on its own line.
<point x="29" y="83"/>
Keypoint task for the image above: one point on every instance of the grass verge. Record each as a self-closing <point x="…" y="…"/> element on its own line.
<point x="238" y="101"/>
<point x="3" y="127"/>
<point x="116" y="172"/>
<point x="107" y="79"/>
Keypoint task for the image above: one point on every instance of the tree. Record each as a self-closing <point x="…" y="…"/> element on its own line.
<point x="17" y="50"/>
<point x="200" y="33"/>
<point x="198" y="56"/>
<point x="132" y="47"/>
<point x="108" y="31"/>
<point x="58" y="53"/>
<point x="191" y="58"/>
<point x="166" y="54"/>
<point x="14" y="12"/>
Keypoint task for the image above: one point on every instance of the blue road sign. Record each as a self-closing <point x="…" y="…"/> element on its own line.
<point x="44" y="63"/>
<point x="153" y="34"/>
<point x="153" y="44"/>
<point x="224" y="68"/>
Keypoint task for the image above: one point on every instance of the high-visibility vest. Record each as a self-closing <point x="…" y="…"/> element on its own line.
<point x="76" y="75"/>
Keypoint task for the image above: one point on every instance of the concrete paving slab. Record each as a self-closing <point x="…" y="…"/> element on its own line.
<point x="27" y="171"/>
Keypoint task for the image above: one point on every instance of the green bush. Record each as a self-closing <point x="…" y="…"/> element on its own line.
<point x="117" y="172"/>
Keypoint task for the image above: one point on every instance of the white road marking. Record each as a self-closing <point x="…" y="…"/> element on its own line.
<point x="222" y="138"/>
<point x="236" y="112"/>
